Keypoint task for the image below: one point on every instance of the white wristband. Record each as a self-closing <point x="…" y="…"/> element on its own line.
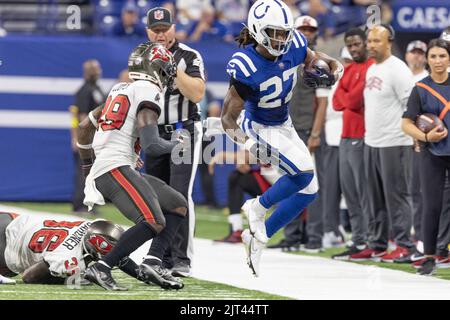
<point x="84" y="146"/>
<point x="93" y="120"/>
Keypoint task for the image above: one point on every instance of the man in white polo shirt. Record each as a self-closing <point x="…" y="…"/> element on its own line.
<point x="388" y="151"/>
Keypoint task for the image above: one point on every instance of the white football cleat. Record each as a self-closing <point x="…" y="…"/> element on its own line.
<point x="254" y="249"/>
<point x="4" y="280"/>
<point x="256" y="222"/>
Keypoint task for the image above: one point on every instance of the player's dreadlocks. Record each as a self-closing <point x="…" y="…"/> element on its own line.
<point x="244" y="38"/>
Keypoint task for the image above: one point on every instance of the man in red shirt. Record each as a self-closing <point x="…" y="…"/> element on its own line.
<point x="349" y="98"/>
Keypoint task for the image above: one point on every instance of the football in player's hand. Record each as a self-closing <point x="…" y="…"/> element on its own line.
<point x="317" y="64"/>
<point x="428" y="121"/>
<point x="317" y="74"/>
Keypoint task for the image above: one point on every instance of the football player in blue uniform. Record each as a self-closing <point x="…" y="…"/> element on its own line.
<point x="255" y="114"/>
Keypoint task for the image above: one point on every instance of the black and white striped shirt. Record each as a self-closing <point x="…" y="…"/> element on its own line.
<point x="178" y="108"/>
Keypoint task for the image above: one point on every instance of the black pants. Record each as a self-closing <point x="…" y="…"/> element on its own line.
<point x="238" y="184"/>
<point x="180" y="177"/>
<point x="140" y="197"/>
<point x="433" y="170"/>
<point x="444" y="225"/>
<point x="79" y="181"/>
<point x="5" y="220"/>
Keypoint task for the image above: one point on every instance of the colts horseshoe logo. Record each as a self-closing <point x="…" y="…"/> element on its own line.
<point x="263" y="14"/>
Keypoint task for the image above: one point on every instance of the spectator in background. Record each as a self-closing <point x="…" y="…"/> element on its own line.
<point x="129" y="25"/>
<point x="208" y="27"/>
<point x="232" y="10"/>
<point x="431" y="95"/>
<point x="191" y="9"/>
<point x="387" y="153"/>
<point x="332" y="236"/>
<point x="292" y="4"/>
<point x="416" y="59"/>
<point x="349" y="99"/>
<point x="87" y="98"/>
<point x="308" y="117"/>
<point x="445" y="35"/>
<point x="319" y="10"/>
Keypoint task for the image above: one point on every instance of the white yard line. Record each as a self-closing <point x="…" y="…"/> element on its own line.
<point x="302" y="277"/>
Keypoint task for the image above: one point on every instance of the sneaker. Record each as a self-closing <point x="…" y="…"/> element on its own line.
<point x="313" y="248"/>
<point x="158" y="275"/>
<point x="367" y="254"/>
<point x="286" y="246"/>
<point x="331" y="240"/>
<point x="418" y="263"/>
<point x="253" y="248"/>
<point x="399" y="252"/>
<point x="443" y="262"/>
<point x="101" y="278"/>
<point x="256" y="223"/>
<point x="345" y="256"/>
<point x="410" y="258"/>
<point x="234" y="237"/>
<point x="181" y="269"/>
<point x="427" y="268"/>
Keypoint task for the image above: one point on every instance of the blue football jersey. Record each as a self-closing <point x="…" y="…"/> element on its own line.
<point x="272" y="82"/>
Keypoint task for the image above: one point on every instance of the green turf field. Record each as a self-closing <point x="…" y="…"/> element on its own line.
<point x="210" y="224"/>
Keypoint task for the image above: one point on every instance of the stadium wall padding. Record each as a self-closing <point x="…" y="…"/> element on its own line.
<point x="36" y="161"/>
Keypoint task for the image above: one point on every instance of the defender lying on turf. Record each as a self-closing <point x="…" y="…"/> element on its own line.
<point x="49" y="251"/>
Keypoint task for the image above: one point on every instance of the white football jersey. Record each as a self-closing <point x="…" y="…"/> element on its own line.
<point x="116" y="142"/>
<point x="31" y="239"/>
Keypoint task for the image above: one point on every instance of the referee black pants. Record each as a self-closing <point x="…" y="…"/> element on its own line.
<point x="433" y="170"/>
<point x="179" y="176"/>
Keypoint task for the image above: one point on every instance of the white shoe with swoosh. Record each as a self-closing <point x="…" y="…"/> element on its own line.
<point x="254" y="249"/>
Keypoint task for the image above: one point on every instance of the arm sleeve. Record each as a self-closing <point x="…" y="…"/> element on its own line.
<point x="196" y="67"/>
<point x="414" y="105"/>
<point x="243" y="90"/>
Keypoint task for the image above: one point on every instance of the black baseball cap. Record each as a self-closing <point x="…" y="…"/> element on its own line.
<point x="159" y="16"/>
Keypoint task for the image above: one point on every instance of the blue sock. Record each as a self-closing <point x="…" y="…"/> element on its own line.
<point x="287" y="210"/>
<point x="285" y="187"/>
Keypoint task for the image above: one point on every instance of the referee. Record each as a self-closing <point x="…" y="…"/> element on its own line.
<point x="180" y="111"/>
